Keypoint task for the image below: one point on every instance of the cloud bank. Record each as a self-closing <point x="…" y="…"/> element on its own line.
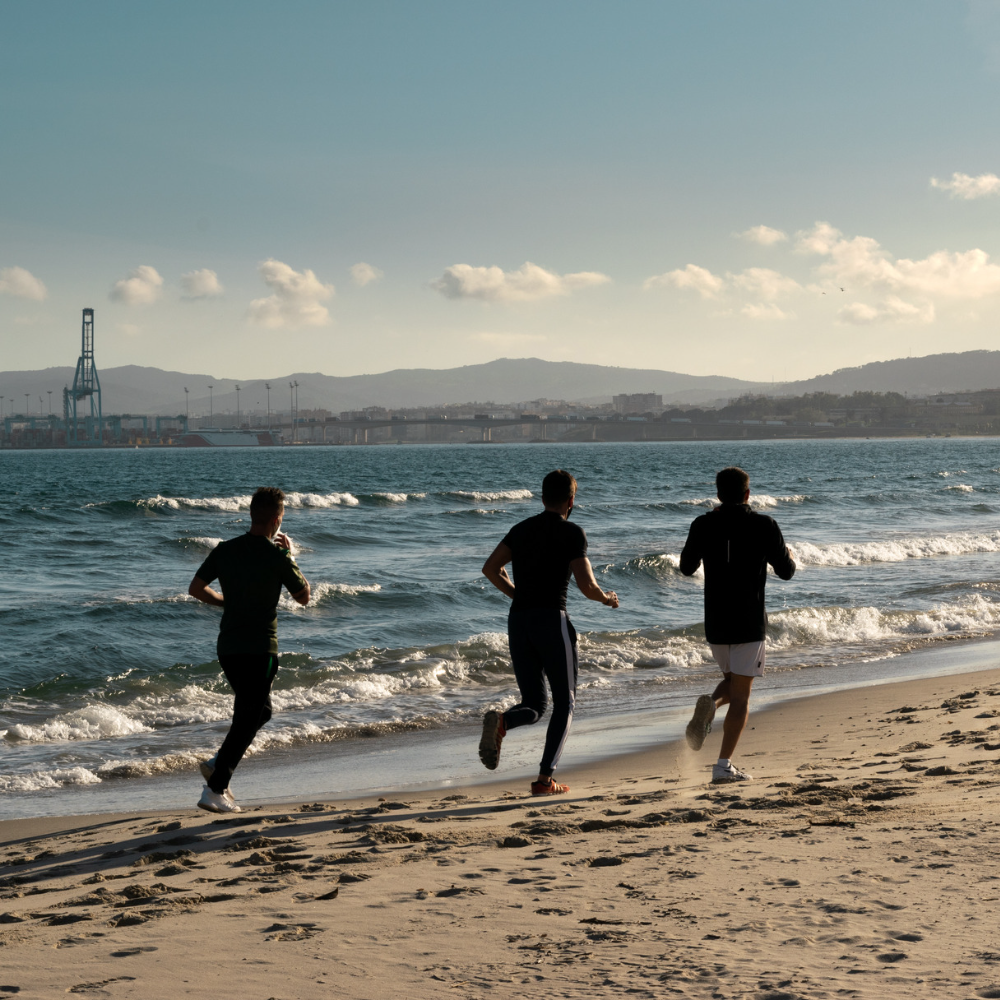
<point x="294" y="300"/>
<point x="969" y="188"/>
<point x="364" y="274"/>
<point x="760" y="282"/>
<point x="142" y="287"/>
<point x="203" y="284"/>
<point x="22" y="284"/>
<point x="861" y="262"/>
<point x="528" y="283"/>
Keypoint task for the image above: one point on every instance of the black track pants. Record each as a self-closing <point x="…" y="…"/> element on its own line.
<point x="250" y="676"/>
<point x="543" y="646"/>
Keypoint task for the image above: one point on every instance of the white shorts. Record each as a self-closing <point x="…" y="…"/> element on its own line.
<point x="743" y="658"/>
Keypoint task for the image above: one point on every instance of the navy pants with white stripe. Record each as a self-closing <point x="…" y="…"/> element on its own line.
<point x="543" y="646"/>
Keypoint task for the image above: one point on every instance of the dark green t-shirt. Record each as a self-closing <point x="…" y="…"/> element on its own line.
<point x="251" y="571"/>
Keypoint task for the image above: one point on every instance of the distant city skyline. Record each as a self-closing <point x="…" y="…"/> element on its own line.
<point x="766" y="191"/>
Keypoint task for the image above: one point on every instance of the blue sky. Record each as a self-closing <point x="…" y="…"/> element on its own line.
<point x="685" y="186"/>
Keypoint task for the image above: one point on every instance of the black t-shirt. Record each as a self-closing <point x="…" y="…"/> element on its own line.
<point x="543" y="547"/>
<point x="736" y="544"/>
<point x="251" y="570"/>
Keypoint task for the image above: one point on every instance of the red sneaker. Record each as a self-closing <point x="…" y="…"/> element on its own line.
<point x="550" y="787"/>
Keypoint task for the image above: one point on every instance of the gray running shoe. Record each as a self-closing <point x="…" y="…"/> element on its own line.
<point x="725" y="775"/>
<point x="207" y="767"/>
<point x="489" y="743"/>
<point x="701" y="722"/>
<point x="218" y="802"/>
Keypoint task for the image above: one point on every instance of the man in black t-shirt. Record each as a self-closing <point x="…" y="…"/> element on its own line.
<point x="545" y="550"/>
<point x="736" y="544"/>
<point x="251" y="570"/>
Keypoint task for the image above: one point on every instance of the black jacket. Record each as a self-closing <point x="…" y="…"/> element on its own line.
<point x="735" y="544"/>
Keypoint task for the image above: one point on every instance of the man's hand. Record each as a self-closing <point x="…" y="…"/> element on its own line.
<point x="583" y="572"/>
<point x="201" y="591"/>
<point x="282" y="541"/>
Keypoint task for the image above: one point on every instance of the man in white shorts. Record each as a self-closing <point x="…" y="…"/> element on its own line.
<point x="736" y="544"/>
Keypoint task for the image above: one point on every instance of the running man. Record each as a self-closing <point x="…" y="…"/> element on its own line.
<point x="736" y="544"/>
<point x="545" y="550"/>
<point x="251" y="570"/>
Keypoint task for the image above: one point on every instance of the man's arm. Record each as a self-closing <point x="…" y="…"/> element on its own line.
<point x="583" y="573"/>
<point x="201" y="591"/>
<point x="302" y="596"/>
<point x="494" y="569"/>
<point x="781" y="556"/>
<point x="691" y="553"/>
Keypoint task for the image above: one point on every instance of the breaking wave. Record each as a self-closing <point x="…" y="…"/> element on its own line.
<point x="491" y="496"/>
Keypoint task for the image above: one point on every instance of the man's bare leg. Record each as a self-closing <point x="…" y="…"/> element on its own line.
<point x="734" y="691"/>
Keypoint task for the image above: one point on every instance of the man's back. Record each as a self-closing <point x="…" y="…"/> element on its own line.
<point x="252" y="572"/>
<point x="736" y="544"/>
<point x="543" y="547"/>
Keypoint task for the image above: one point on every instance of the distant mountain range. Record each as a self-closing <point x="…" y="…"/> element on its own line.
<point x="133" y="389"/>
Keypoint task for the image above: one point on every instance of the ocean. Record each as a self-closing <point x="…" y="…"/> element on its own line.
<point x="110" y="691"/>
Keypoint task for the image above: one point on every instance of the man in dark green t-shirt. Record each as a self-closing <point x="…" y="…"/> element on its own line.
<point x="251" y="570"/>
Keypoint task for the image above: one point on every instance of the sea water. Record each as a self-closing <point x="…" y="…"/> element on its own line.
<point x="108" y="676"/>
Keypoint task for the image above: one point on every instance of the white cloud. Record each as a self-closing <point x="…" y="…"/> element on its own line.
<point x="706" y="284"/>
<point x="17" y="281"/>
<point x="764" y="235"/>
<point x="364" y="274"/>
<point x="968" y="188"/>
<point x="764" y="282"/>
<point x="203" y="284"/>
<point x="294" y="300"/>
<point x="820" y="239"/>
<point x="130" y="329"/>
<point x="761" y="282"/>
<point x="142" y="287"/>
<point x="892" y="310"/>
<point x="529" y="282"/>
<point x="764" y="310"/>
<point x="861" y="262"/>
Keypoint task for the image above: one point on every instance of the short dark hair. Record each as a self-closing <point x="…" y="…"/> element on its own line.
<point x="266" y="504"/>
<point x="732" y="484"/>
<point x="557" y="487"/>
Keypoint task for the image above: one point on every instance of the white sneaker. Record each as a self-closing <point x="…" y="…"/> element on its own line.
<point x="724" y="775"/>
<point x="207" y="767"/>
<point x="218" y="802"/>
<point x="701" y="722"/>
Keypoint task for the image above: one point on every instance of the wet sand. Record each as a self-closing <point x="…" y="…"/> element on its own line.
<point x="863" y="861"/>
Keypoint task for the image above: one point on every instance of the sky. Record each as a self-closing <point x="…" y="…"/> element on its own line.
<point x="766" y="190"/>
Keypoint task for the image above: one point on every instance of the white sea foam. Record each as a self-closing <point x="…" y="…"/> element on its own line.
<point x="399" y="497"/>
<point x="321" y="500"/>
<point x="896" y="549"/>
<point x="832" y="626"/>
<point x="241" y="502"/>
<point x="759" y="501"/>
<point x="322" y="591"/>
<point x="199" y="542"/>
<point x="478" y="496"/>
<point x="93" y="722"/>
<point x="962" y="488"/>
<point x="37" y="781"/>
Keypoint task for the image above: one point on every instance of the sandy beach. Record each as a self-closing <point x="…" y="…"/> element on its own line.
<point x="863" y="861"/>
